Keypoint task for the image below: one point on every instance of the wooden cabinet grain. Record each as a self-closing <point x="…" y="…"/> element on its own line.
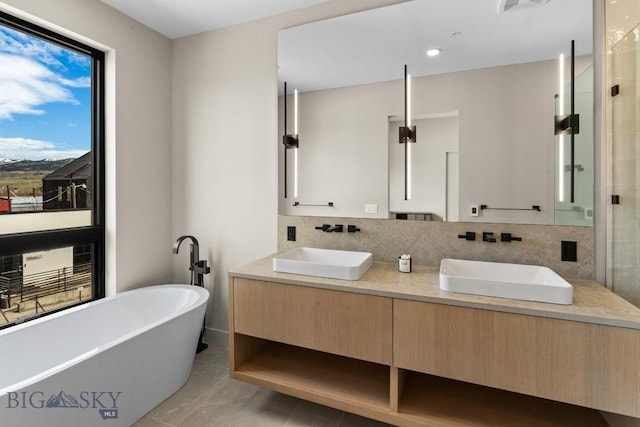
<point x="342" y="323"/>
<point x="573" y="362"/>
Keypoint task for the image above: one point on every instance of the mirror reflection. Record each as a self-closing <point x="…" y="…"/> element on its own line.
<point x="433" y="170"/>
<point x="497" y="77"/>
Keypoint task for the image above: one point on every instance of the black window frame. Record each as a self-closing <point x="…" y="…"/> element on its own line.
<point x="94" y="235"/>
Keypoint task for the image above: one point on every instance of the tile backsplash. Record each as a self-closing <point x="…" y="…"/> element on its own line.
<point x="428" y="242"/>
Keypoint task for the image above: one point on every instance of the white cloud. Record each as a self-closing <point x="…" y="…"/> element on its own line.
<point x="26" y="85"/>
<point x="31" y="74"/>
<point x="80" y="82"/>
<point x="33" y="149"/>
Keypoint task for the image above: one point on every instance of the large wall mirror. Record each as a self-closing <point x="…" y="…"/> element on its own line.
<point x="484" y="111"/>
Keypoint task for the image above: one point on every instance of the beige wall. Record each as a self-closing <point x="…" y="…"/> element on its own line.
<point x="138" y="133"/>
<point x="225" y="163"/>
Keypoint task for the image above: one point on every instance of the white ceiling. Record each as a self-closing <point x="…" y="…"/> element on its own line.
<point x="373" y="46"/>
<point x="179" y="18"/>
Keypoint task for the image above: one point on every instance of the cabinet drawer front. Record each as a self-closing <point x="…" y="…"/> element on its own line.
<point x="584" y="364"/>
<point x="343" y="323"/>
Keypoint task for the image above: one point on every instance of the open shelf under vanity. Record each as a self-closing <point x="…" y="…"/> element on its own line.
<point x="367" y="389"/>
<point x="325" y="378"/>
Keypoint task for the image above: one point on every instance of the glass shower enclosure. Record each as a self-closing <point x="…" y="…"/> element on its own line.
<point x="624" y="235"/>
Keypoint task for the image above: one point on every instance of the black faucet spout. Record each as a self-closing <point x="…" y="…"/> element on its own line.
<point x="194" y="249"/>
<point x="198" y="267"/>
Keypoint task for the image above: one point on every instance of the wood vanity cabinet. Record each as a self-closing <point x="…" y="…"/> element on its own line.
<point x="326" y="346"/>
<point x="579" y="363"/>
<point x="412" y="363"/>
<point x="342" y="323"/>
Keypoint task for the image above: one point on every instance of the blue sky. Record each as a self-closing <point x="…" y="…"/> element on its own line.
<point x="45" y="99"/>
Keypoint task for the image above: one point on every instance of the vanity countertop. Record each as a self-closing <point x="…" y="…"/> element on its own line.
<point x="592" y="302"/>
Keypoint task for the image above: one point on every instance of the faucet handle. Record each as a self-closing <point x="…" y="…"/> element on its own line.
<point x="507" y="237"/>
<point x="201" y="267"/>
<point x="469" y="235"/>
<point x="487" y="236"/>
<point x="352" y="228"/>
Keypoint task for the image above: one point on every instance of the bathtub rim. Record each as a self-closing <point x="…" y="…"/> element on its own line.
<point x="202" y="299"/>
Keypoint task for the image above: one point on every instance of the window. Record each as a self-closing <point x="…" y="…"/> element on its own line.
<point x="51" y="172"/>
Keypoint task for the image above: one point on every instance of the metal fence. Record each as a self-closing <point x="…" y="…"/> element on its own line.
<point x="32" y="287"/>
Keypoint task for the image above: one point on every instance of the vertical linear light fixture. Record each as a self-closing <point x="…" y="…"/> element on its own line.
<point x="295" y="153"/>
<point x="574" y="119"/>
<point x="560" y="136"/>
<point x="290" y="141"/>
<point x="407" y="134"/>
<point x="569" y="124"/>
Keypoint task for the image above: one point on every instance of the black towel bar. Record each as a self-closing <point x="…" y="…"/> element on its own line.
<point x="532" y="208"/>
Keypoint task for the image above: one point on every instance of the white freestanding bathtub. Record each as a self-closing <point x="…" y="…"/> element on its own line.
<point x="107" y="362"/>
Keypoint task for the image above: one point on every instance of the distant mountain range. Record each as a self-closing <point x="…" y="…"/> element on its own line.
<point x="7" y="165"/>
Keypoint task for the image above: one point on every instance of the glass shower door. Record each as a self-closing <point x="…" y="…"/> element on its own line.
<point x="624" y="260"/>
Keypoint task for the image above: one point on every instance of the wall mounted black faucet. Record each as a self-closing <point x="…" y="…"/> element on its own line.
<point x="487" y="236"/>
<point x="469" y="235"/>
<point x="338" y="228"/>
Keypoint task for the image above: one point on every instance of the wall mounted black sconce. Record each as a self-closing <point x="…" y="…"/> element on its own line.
<point x="407" y="134"/>
<point x="567" y="124"/>
<point x="290" y="141"/>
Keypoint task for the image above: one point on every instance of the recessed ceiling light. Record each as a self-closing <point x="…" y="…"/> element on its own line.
<point x="433" y="52"/>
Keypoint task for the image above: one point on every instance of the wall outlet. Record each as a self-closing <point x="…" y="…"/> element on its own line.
<point x="474" y="210"/>
<point x="291" y="233"/>
<point x="569" y="251"/>
<point x="371" y="208"/>
<point x="588" y="213"/>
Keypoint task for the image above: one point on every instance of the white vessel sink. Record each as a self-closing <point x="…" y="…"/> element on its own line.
<point x="522" y="282"/>
<point x="329" y="263"/>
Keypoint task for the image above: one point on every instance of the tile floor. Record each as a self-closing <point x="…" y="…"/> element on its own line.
<point x="211" y="398"/>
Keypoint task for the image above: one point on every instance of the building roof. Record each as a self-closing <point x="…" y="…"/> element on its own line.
<point x="79" y="168"/>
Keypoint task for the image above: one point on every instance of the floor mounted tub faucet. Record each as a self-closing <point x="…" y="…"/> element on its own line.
<point x="198" y="269"/>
